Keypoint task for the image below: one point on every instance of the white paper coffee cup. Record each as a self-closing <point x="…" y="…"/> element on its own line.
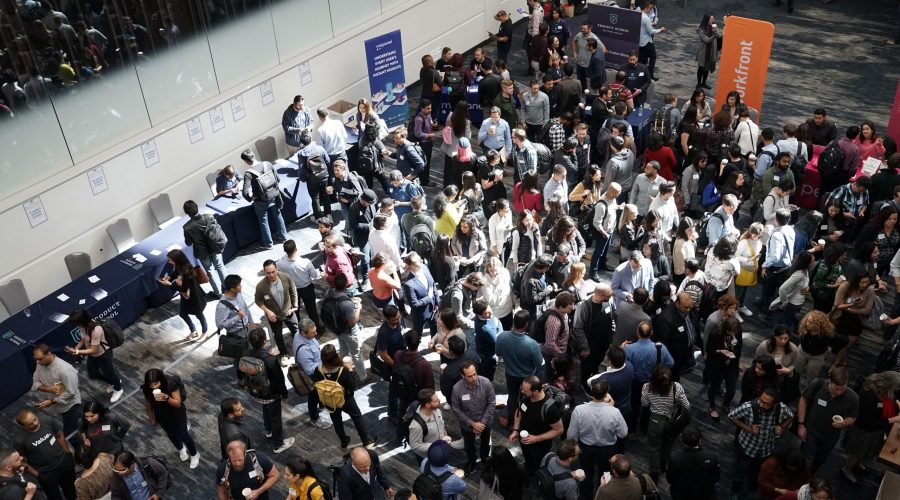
<point x="821" y="243"/>
<point x="579" y="474"/>
<point x="837" y="418"/>
<point x="157" y="392"/>
<point x="246" y="492"/>
<point x="523" y="434"/>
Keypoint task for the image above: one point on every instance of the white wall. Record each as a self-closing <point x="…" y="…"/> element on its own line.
<point x="77" y="220"/>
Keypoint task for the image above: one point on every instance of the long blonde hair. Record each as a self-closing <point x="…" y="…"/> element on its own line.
<point x="576" y="273"/>
<point x="629" y="213"/>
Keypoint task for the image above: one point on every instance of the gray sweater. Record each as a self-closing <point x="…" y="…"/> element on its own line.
<point x="619" y="169"/>
<point x="791" y="291"/>
<point x="643" y="191"/>
<point x="419" y="440"/>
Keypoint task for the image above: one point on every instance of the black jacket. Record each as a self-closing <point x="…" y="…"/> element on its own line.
<point x="194" y="237"/>
<point x="229" y="430"/>
<point x="351" y="485"/>
<point x="154" y="472"/>
<point x="277" y="385"/>
<point x="637" y="77"/>
<point x="693" y="474"/>
<point x="360" y="220"/>
<point x="671" y="329"/>
<point x="488" y="90"/>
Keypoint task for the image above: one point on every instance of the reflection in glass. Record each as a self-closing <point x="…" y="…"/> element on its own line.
<point x="346" y="14"/>
<point x="241" y="39"/>
<point x="312" y="15"/>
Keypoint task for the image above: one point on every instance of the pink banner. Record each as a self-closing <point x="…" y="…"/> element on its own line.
<point x="894" y="120"/>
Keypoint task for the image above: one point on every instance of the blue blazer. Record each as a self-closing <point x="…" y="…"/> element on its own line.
<point x="420" y="302"/>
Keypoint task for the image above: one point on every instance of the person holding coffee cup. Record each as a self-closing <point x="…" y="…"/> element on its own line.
<point x="560" y="463"/>
<point x="540" y="417"/>
<point x="826" y="407"/>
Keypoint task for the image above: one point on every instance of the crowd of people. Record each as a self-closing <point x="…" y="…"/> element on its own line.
<point x="544" y="268"/>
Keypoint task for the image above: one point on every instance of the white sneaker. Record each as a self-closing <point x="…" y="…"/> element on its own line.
<point x="183" y="454"/>
<point x="746" y="312"/>
<point x="268" y="434"/>
<point x="116" y="395"/>
<point x="739" y="318"/>
<point x="109" y="389"/>
<point x="195" y="460"/>
<point x="287" y="443"/>
<point x="321" y="424"/>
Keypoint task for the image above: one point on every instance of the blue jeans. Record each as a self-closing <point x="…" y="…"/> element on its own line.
<point x="214" y="261"/>
<point x="601" y="247"/>
<point x="264" y="210"/>
<point x="187" y="318"/>
<point x="102" y="368"/>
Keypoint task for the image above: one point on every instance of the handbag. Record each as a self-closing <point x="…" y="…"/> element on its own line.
<point x="303" y="385"/>
<point x="378" y="366"/>
<point x="199" y="274"/>
<point x="679" y="419"/>
<point x="447" y="134"/>
<point x="231" y="346"/>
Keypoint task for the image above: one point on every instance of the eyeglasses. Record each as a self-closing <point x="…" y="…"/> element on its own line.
<point x="120" y="471"/>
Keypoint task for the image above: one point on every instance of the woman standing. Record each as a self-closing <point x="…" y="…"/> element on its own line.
<point x="474" y="196"/>
<point x="527" y="244"/>
<point x="761" y="375"/>
<point x="716" y="140"/>
<point x="782" y="473"/>
<point x="458" y="126"/>
<point x="748" y="249"/>
<point x="589" y="191"/>
<point x="442" y="265"/>
<point x="559" y="28"/>
<point x="500" y="226"/>
<point x="734" y="106"/>
<point x="490" y="173"/>
<point x="497" y="291"/>
<point x="723" y="357"/>
<point x="708" y="52"/>
<point x="631" y="233"/>
<point x="468" y="245"/>
<point x="658" y="151"/>
<point x="101" y="430"/>
<point x="431" y="85"/>
<point x="722" y="265"/>
<point x="816" y="333"/>
<point x="865" y="256"/>
<point x="852" y="304"/>
<point x="94" y="483"/>
<point x="882" y="229"/>
<point x="420" y="293"/>
<point x="564" y="232"/>
<point x="686" y="135"/>
<point x="193" y="299"/>
<point x="335" y="370"/>
<point x="94" y="343"/>
<point x="384" y="280"/>
<point x="828" y="276"/>
<point x="690" y="184"/>
<point x="447" y="214"/>
<point x="364" y="116"/>
<point x="785" y="354"/>
<point x="447" y="326"/>
<point x="527" y="196"/>
<point x="575" y="284"/>
<point x="792" y="293"/>
<point x="878" y="412"/>
<point x="685" y="248"/>
<point x="661" y="395"/>
<point x="834" y="219"/>
<point x="302" y="481"/>
<point x="555" y="211"/>
<point x="164" y="402"/>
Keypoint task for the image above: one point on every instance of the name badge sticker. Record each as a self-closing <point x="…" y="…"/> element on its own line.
<point x="823" y="403"/>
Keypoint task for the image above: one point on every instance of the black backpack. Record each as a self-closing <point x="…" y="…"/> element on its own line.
<point x="661" y="122"/>
<point x="214" y="235"/>
<point x="704" y="295"/>
<point x="544" y="158"/>
<point x="446" y="302"/>
<point x="830" y="160"/>
<point x="546" y="482"/>
<point x="537" y="328"/>
<point x="148" y="471"/>
<point x="112" y="332"/>
<point x="369" y="159"/>
<point x="314" y="167"/>
<point x="403" y="378"/>
<point x="703" y="237"/>
<point x="264" y="182"/>
<point x="798" y="163"/>
<point x="454" y="83"/>
<point x="428" y="485"/>
<point x="331" y="315"/>
<point x="412" y="415"/>
<point x="518" y="277"/>
<point x="421" y="239"/>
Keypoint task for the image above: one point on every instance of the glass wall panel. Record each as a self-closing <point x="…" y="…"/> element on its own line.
<point x="241" y="39"/>
<point x="389" y="4"/>
<point x="33" y="147"/>
<point x="346" y="14"/>
<point x="300" y="25"/>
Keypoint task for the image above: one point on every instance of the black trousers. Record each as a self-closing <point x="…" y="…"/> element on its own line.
<point x="272" y="421"/>
<point x="484" y="445"/>
<point x="277" y="335"/>
<point x="513" y="386"/>
<point x="533" y="454"/>
<point x="647" y="55"/>
<point x="594" y="459"/>
<point x="321" y="202"/>
<point x="427" y="148"/>
<point x="60" y="478"/>
<point x="308" y="296"/>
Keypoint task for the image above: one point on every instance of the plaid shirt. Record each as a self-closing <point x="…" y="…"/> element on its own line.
<point x="759" y="445"/>
<point x="557" y="134"/>
<point x="850" y="201"/>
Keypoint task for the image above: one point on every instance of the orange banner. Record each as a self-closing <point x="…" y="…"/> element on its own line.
<point x="744" y="61"/>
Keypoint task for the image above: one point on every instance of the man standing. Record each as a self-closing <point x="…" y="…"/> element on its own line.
<point x="232" y="313"/>
<point x="779" y="255"/>
<point x="536" y="110"/>
<point x="489" y="85"/>
<point x="347" y="326"/>
<point x="636" y="272"/>
<point x="646" y="187"/>
<point x="582" y="54"/>
<point x="409" y="162"/>
<point x="568" y="92"/>
<point x="854" y="199"/>
<point x="596" y="70"/>
<point x="504" y="35"/>
<point x="205" y="236"/>
<point x="261" y="188"/>
<point x="487" y="328"/>
<point x="276" y="295"/>
<point x="625" y="483"/>
<point x="825" y="408"/>
<point x="604" y="224"/>
<point x="359" y="223"/>
<point x="245" y="469"/>
<point x="721" y="223"/>
<point x="619" y="375"/>
<point x="420" y="371"/>
<point x="593" y="328"/>
<point x="423" y="135"/>
<point x="295" y="120"/>
<point x="760" y="423"/>
<point x="427" y="424"/>
<point x="361" y="478"/>
<point x="271" y="393"/>
<point x="308" y="356"/>
<point x="337" y="262"/>
<point x="44" y="446"/>
<point x="231" y="425"/>
<point x="521" y="356"/>
<point x="473" y="404"/>
<point x="495" y="133"/>
<point x="644" y="355"/>
<point x="619" y="167"/>
<point x="791" y="144"/>
<point x="597" y="426"/>
<point x="507" y="103"/>
<point x="332" y="136"/>
<point x="678" y="328"/>
<point x="556" y="328"/>
<point x="559" y="466"/>
<point x="388" y="341"/>
<point x="139" y="477"/>
<point x="629" y="315"/>
<point x="524" y="156"/>
<point x="647" y="49"/>
<point x="302" y="273"/>
<point x="693" y="472"/>
<point x="637" y="77"/>
<point x="780" y="171"/>
<point x="15" y="481"/>
<point x="537" y="423"/>
<point x="346" y="185"/>
<point x="58" y="379"/>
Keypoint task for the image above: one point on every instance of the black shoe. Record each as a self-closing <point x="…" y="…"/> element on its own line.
<point x="595" y="277"/>
<point x="707" y="87"/>
<point x="213" y="296"/>
<point x="372" y="443"/>
<point x="654" y="78"/>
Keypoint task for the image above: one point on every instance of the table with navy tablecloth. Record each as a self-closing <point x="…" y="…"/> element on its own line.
<point x="639" y="119"/>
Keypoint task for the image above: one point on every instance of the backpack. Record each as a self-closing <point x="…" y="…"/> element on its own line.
<point x="703" y="295"/>
<point x="362" y="182"/>
<point x="253" y="377"/>
<point x="537" y="328"/>
<point x="427" y="485"/>
<point x="331" y="315"/>
<point x="544" y="158"/>
<point x="214" y="235"/>
<point x="265" y="183"/>
<point x="546" y="482"/>
<point x="368" y="161"/>
<point x="517" y="280"/>
<point x="445" y="302"/>
<point x="544" y="136"/>
<point x="798" y="164"/>
<point x="754" y="407"/>
<point x="148" y="471"/>
<point x="454" y="83"/>
<point x="112" y="333"/>
<point x="421" y="238"/>
<point x="412" y="415"/>
<point x="331" y="392"/>
<point x="829" y="165"/>
<point x="175" y="379"/>
<point x="326" y="492"/>
<point x="648" y="495"/>
<point x="703" y="237"/>
<point x="411" y="130"/>
<point x="315" y="166"/>
<point x="554" y="396"/>
<point x="615" y="96"/>
<point x="661" y="122"/>
<point x="403" y="378"/>
<point x="260" y="475"/>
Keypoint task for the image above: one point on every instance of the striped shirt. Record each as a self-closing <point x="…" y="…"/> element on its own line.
<point x="664" y="404"/>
